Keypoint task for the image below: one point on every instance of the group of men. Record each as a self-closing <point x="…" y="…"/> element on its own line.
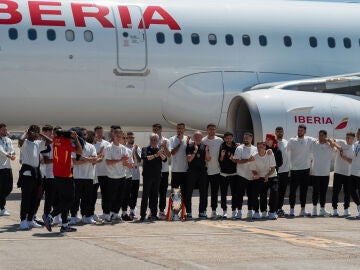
<point x="70" y="166"/>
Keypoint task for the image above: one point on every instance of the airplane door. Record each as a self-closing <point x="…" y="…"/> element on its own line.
<point x="131" y="42"/>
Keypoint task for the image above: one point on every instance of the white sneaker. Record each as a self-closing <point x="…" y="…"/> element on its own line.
<point x="263" y="214"/>
<point x="304" y="213"/>
<point x="272" y="216"/>
<point x="24" y="225"/>
<point x="347" y="212"/>
<point x="33" y="224"/>
<point x="324" y="213"/>
<point x="256" y="215"/>
<point x="89" y="220"/>
<point x="234" y="214"/>
<point x="78" y="218"/>
<point x="314" y="211"/>
<point x="292" y="212"/>
<point x="335" y="213"/>
<point x="250" y="214"/>
<point x="72" y="221"/>
<point x="224" y="214"/>
<point x="239" y="214"/>
<point x="4" y="212"/>
<point x="96" y="218"/>
<point x="57" y="219"/>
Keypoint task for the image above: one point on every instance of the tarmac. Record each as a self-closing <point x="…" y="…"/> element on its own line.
<point x="285" y="243"/>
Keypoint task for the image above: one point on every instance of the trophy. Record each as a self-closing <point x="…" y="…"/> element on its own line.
<point x="176" y="205"/>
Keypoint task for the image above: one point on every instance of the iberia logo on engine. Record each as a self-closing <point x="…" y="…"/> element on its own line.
<point x="321" y="120"/>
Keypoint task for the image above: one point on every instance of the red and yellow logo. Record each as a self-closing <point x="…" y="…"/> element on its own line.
<point x="343" y="123"/>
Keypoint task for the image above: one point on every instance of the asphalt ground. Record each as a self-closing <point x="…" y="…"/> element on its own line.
<point x="285" y="243"/>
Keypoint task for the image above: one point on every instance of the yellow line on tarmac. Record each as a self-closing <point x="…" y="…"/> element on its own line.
<point x="291" y="237"/>
<point x="58" y="236"/>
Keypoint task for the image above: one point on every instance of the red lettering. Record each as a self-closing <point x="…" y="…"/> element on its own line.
<point x="309" y="119"/>
<point x="125" y="17"/>
<point x="329" y="121"/>
<point x="295" y="118"/>
<point x="11" y="9"/>
<point x="80" y="15"/>
<point x="166" y="18"/>
<point x="36" y="13"/>
<point x="301" y="119"/>
<point x="317" y="120"/>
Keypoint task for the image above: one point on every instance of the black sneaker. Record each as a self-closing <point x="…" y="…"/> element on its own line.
<point x="126" y="218"/>
<point x="47" y="221"/>
<point x="142" y="219"/>
<point x="67" y="229"/>
<point x="280" y="213"/>
<point x="154" y="218"/>
<point x="189" y="217"/>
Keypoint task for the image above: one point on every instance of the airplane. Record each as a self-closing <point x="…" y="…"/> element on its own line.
<point x="243" y="65"/>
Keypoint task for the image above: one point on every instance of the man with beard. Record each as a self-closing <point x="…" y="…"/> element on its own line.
<point x="243" y="156"/>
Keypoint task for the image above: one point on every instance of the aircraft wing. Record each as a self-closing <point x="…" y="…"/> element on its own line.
<point x="347" y="84"/>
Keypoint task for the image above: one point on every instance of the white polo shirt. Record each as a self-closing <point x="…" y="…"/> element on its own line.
<point x="86" y="170"/>
<point x="165" y="164"/>
<point x="299" y="152"/>
<point x="179" y="161"/>
<point x="355" y="165"/>
<point x="30" y="153"/>
<point x="128" y="171"/>
<point x="6" y="146"/>
<point x="113" y="152"/>
<point x="135" y="171"/>
<point x="282" y="145"/>
<point x="101" y="166"/>
<point x="213" y="166"/>
<point x="49" y="174"/>
<point x="262" y="164"/>
<point x="341" y="166"/>
<point x="244" y="152"/>
<point x="322" y="157"/>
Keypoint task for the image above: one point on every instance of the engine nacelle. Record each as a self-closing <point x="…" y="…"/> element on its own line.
<point x="261" y="111"/>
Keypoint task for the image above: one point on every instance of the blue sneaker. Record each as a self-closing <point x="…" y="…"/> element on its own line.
<point x="47" y="221"/>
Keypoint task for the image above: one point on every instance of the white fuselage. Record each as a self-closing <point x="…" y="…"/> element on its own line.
<point x="134" y="80"/>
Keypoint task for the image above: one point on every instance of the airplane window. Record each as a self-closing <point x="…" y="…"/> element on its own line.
<point x="347" y="43"/>
<point x="212" y="39"/>
<point x="229" y="40"/>
<point x="69" y="35"/>
<point x="51" y="35"/>
<point x="88" y="36"/>
<point x="287" y="41"/>
<point x="178" y="38"/>
<point x="13" y="33"/>
<point x="246" y="40"/>
<point x="331" y="42"/>
<point x="263" y="40"/>
<point x="313" y="42"/>
<point x="195" y="38"/>
<point x="32" y="35"/>
<point x="160" y="37"/>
